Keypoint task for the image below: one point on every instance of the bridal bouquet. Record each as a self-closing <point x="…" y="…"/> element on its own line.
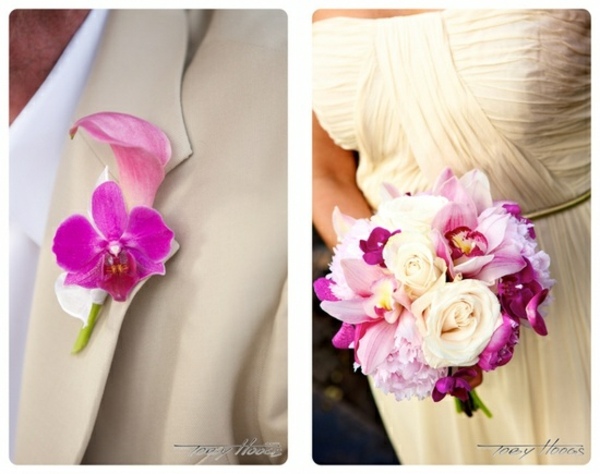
<point x="435" y="287"/>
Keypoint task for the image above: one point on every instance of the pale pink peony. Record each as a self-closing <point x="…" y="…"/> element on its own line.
<point x="402" y="371"/>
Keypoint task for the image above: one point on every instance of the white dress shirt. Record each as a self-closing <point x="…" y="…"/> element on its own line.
<point x="36" y="140"/>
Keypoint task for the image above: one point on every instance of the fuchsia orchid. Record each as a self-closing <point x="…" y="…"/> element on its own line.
<point x="373" y="246"/>
<point x="126" y="240"/>
<point x="117" y="250"/>
<point x="456" y="385"/>
<point x="521" y="295"/>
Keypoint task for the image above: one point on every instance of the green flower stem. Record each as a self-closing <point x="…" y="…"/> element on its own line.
<point x="85" y="333"/>
<point x="479" y="404"/>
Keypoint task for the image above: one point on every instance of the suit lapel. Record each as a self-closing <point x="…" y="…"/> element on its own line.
<point x="138" y="71"/>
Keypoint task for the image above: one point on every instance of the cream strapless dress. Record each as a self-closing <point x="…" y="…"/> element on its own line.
<point x="507" y="92"/>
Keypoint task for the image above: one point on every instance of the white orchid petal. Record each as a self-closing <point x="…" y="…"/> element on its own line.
<point x="75" y="300"/>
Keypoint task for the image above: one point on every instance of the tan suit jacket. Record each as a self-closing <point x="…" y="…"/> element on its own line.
<point x="197" y="357"/>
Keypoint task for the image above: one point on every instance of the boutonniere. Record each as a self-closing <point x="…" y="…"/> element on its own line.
<point x="123" y="240"/>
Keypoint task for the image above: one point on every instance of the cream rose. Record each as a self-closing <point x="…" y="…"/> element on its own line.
<point x="456" y="321"/>
<point x="409" y="213"/>
<point x="411" y="257"/>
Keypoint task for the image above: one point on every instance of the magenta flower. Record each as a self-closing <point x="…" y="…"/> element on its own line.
<point x="455" y="385"/>
<point x="501" y="347"/>
<point x="373" y="246"/>
<point x="345" y="336"/>
<point x="466" y="242"/>
<point x="323" y="289"/>
<point x="117" y="249"/>
<point x="521" y="294"/>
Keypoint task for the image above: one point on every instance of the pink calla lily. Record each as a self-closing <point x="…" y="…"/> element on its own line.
<point x="141" y="149"/>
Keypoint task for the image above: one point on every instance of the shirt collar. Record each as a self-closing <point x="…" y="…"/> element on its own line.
<point x="37" y="135"/>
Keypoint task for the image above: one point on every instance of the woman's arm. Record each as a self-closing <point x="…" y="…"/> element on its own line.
<point x="334" y="184"/>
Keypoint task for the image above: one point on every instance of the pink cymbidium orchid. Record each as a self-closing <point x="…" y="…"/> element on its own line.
<point x="479" y="235"/>
<point x="125" y="240"/>
<point x="370" y="318"/>
<point x="375" y="295"/>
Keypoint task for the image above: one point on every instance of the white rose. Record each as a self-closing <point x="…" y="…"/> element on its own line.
<point x="411" y="257"/>
<point x="456" y="321"/>
<point x="414" y="213"/>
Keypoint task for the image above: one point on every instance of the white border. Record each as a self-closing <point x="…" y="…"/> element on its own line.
<point x="300" y="343"/>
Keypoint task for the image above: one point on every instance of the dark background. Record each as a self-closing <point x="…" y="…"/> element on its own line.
<point x="347" y="428"/>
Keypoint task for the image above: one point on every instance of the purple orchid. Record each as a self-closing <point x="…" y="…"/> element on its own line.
<point x="521" y="294"/>
<point x="117" y="250"/>
<point x="373" y="246"/>
<point x="455" y="385"/>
